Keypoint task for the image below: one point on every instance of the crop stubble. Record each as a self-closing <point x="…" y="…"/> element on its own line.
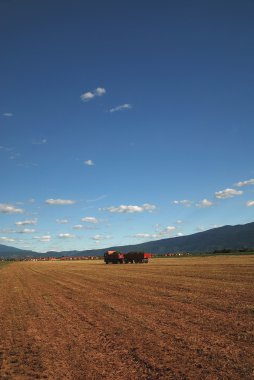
<point x="170" y="319"/>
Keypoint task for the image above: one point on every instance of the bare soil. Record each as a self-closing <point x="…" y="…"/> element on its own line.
<point x="186" y="318"/>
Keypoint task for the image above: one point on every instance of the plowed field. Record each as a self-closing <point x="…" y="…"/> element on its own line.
<point x="170" y="319"/>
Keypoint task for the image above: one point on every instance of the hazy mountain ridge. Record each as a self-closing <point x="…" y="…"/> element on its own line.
<point x="226" y="237"/>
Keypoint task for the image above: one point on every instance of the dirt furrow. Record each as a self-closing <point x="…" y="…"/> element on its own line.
<point x="90" y="321"/>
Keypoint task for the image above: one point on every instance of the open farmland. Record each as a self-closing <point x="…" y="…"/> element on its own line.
<point x="187" y="318"/>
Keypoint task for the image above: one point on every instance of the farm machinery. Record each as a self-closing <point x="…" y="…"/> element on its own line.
<point x="116" y="257"/>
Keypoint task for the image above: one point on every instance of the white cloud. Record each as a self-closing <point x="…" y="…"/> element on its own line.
<point x="26" y="231"/>
<point x="180" y="234"/>
<point x="100" y="237"/>
<point x="204" y="203"/>
<point x="245" y="183"/>
<point x="78" y="227"/>
<point x="143" y="236"/>
<point x="60" y="201"/>
<point x="10" y="209"/>
<point x="250" y="203"/>
<point x="129" y="208"/>
<point x="87" y="96"/>
<point x="168" y="230"/>
<point x="89" y="162"/>
<point x="8" y="114"/>
<point x="227" y="193"/>
<point x="84" y="227"/>
<point x="122" y="107"/>
<point x="99" y="91"/>
<point x="90" y="219"/>
<point x="184" y="202"/>
<point x="163" y="233"/>
<point x="62" y="221"/>
<point x="66" y="236"/>
<point x="43" y="238"/>
<point x="6" y="239"/>
<point x="26" y="222"/>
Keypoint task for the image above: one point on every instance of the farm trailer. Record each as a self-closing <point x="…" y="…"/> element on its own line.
<point x="116" y="257"/>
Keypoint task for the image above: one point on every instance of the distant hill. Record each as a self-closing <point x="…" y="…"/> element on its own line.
<point x="12" y="252"/>
<point x="226" y="237"/>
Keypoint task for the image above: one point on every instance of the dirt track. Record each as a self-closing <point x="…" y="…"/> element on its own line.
<point x="169" y="319"/>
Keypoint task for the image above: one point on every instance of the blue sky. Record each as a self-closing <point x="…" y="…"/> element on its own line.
<point x="124" y="122"/>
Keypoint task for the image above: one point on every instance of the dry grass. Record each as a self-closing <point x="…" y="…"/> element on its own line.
<point x="188" y="318"/>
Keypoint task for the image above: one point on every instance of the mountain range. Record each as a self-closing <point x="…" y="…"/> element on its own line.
<point x="227" y="237"/>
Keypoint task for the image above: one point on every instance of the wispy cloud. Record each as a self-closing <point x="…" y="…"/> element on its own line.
<point x="129" y="208"/>
<point x="8" y="114"/>
<point x="89" y="95"/>
<point x="84" y="227"/>
<point x="5" y="149"/>
<point x="245" y="183"/>
<point x="168" y="230"/>
<point x="26" y="222"/>
<point x="14" y="156"/>
<point x="66" y="236"/>
<point x="215" y="225"/>
<point x="184" y="202"/>
<point x="26" y="231"/>
<point x="145" y="236"/>
<point x="90" y="219"/>
<point x="122" y="107"/>
<point x="43" y="238"/>
<point x="100" y="237"/>
<point x="250" y="203"/>
<point x="10" y="209"/>
<point x="165" y="232"/>
<point x="227" y="193"/>
<point x="97" y="199"/>
<point x="78" y="227"/>
<point x="6" y="239"/>
<point x="62" y="221"/>
<point x="27" y="165"/>
<point x="60" y="201"/>
<point x="89" y="163"/>
<point x="204" y="203"/>
<point x="7" y="231"/>
<point x="39" y="142"/>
